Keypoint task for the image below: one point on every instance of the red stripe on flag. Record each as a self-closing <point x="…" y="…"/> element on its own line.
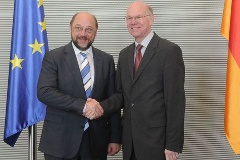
<point x="234" y="39"/>
<point x="231" y="31"/>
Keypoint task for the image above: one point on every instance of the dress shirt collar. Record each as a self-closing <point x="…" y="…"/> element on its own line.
<point x="77" y="51"/>
<point x="146" y="40"/>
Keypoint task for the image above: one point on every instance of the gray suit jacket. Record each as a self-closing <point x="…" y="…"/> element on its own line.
<point x="153" y="101"/>
<point x="60" y="87"/>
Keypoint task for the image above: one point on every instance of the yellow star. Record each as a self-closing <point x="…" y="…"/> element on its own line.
<point x="43" y="24"/>
<point x="36" y="46"/>
<point x="40" y="3"/>
<point x="16" y="62"/>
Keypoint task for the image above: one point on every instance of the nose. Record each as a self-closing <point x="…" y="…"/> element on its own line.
<point x="83" y="32"/>
<point x="132" y="21"/>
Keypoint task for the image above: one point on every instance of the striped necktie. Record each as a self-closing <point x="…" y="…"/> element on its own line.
<point x="86" y="76"/>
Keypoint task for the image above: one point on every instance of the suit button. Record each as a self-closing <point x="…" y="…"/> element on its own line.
<point x="132" y="104"/>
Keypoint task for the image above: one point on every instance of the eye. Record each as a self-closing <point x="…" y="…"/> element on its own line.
<point x="89" y="30"/>
<point x="78" y="28"/>
<point x="129" y="18"/>
<point x="139" y="17"/>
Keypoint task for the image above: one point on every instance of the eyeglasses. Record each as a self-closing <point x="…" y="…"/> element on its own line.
<point x="87" y="30"/>
<point x="137" y="18"/>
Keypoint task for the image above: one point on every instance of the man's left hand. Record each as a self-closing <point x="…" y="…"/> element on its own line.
<point x="113" y="148"/>
<point x="171" y="155"/>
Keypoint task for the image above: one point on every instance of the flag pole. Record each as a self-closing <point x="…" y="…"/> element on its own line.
<point x="32" y="151"/>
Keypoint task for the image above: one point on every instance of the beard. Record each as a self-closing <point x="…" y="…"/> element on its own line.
<point x="79" y="47"/>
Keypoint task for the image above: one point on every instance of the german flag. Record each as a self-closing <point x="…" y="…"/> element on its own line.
<point x="231" y="31"/>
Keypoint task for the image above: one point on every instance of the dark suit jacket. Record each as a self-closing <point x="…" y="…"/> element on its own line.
<point x="60" y="87"/>
<point x="153" y="100"/>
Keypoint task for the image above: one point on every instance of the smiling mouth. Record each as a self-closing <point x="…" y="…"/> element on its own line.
<point x="135" y="27"/>
<point x="82" y="38"/>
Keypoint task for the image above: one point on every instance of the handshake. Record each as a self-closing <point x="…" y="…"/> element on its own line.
<point x="93" y="109"/>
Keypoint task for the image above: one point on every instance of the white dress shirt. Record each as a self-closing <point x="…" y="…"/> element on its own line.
<point x="89" y="54"/>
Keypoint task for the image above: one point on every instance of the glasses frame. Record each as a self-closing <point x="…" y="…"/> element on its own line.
<point x="88" y="30"/>
<point x="136" y="18"/>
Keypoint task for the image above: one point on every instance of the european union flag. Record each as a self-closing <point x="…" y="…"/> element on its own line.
<point x="28" y="46"/>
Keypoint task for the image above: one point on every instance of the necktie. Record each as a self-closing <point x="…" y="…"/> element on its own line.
<point x="138" y="57"/>
<point x="86" y="76"/>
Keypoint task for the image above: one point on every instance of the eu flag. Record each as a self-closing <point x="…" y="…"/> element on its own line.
<point x="28" y="46"/>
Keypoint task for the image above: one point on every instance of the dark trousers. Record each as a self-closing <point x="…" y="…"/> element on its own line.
<point x="84" y="152"/>
<point x="133" y="155"/>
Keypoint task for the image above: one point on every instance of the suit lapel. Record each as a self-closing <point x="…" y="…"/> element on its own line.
<point x="149" y="53"/>
<point x="130" y="59"/>
<point x="72" y="63"/>
<point x="97" y="70"/>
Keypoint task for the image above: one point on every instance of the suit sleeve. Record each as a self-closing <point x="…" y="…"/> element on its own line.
<point x="115" y="117"/>
<point x="48" y="88"/>
<point x="115" y="101"/>
<point x="174" y="75"/>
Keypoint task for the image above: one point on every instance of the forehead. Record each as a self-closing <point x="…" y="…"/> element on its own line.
<point x="137" y="9"/>
<point x="85" y="20"/>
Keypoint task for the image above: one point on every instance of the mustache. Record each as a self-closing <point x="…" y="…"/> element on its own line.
<point x="82" y="37"/>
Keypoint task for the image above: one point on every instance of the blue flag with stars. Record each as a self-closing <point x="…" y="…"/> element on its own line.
<point x="28" y="46"/>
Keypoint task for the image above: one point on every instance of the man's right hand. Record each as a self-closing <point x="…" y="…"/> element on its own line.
<point x="93" y="109"/>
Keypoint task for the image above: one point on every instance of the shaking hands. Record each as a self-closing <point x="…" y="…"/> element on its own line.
<point x="93" y="109"/>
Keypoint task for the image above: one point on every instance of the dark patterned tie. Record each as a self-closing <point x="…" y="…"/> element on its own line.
<point x="138" y="58"/>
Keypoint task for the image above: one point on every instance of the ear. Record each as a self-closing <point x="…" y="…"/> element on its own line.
<point x="151" y="19"/>
<point x="70" y="28"/>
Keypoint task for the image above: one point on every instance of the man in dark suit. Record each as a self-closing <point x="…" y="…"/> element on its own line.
<point x="67" y="133"/>
<point x="151" y="93"/>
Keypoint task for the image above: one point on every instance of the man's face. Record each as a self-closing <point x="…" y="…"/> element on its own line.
<point x="139" y="21"/>
<point x="83" y="31"/>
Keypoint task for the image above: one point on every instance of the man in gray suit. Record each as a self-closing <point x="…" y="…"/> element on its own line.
<point x="150" y="87"/>
<point x="70" y="74"/>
